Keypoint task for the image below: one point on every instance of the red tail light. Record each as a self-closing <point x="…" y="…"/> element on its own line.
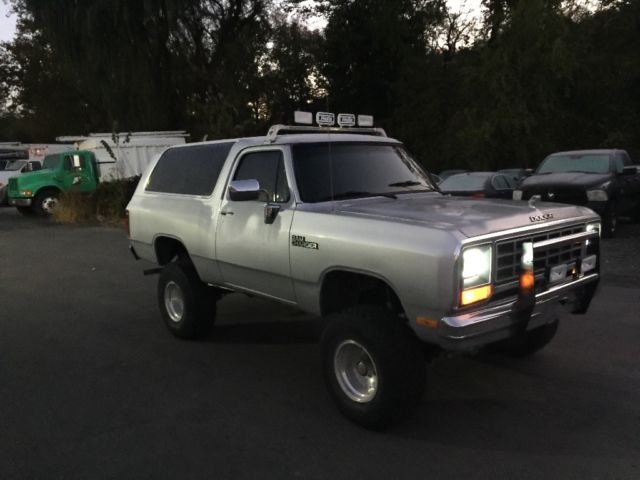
<point x="478" y="195"/>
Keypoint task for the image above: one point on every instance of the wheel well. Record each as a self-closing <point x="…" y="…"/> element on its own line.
<point x="168" y="248"/>
<point x="47" y="189"/>
<point x="341" y="290"/>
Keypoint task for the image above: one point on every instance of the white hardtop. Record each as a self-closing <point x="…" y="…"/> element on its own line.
<point x="291" y="139"/>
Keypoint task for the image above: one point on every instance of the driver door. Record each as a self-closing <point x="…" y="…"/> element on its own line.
<point x="252" y="253"/>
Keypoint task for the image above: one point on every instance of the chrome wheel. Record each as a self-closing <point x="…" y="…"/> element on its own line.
<point x="49" y="204"/>
<point x="174" y="301"/>
<point x="355" y="371"/>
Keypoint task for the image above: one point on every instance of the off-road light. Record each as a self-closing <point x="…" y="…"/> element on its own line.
<point x="365" y="120"/>
<point x="346" y="120"/>
<point x="303" y="118"/>
<point x="325" y="119"/>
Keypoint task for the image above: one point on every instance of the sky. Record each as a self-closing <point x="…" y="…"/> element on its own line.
<point x="7" y="25"/>
<point x="8" y="22"/>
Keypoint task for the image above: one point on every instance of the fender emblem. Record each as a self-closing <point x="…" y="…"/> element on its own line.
<point x="300" y="241"/>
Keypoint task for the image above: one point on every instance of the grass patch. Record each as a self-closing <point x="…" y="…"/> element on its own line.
<point x="106" y="204"/>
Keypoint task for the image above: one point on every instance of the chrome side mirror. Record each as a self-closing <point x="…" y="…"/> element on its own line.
<point x="244" y="190"/>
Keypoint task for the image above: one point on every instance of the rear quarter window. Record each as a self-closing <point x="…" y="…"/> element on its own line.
<point x="191" y="170"/>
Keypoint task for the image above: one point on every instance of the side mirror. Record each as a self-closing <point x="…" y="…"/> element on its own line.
<point x="244" y="190"/>
<point x="629" y="171"/>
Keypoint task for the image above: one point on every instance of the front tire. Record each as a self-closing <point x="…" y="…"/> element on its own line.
<point x="527" y="343"/>
<point x="45" y="202"/>
<point x="373" y="366"/>
<point x="188" y="306"/>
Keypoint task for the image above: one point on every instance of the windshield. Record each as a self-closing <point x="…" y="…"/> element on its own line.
<point x="326" y="171"/>
<point x="51" y="162"/>
<point x="586" y="163"/>
<point x="463" y="182"/>
<point x="17" y="165"/>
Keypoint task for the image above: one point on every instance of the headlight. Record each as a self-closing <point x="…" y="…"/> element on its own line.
<point x="476" y="266"/>
<point x="597" y="196"/>
<point x="517" y="194"/>
<point x="593" y="227"/>
<point x="26" y="193"/>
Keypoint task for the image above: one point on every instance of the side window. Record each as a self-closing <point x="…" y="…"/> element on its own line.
<point x="268" y="169"/>
<point x="626" y="160"/>
<point x="67" y="162"/>
<point x="190" y="170"/>
<point x="500" y="182"/>
<point x="618" y="163"/>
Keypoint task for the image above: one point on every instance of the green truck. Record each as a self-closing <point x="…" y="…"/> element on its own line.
<point x="38" y="192"/>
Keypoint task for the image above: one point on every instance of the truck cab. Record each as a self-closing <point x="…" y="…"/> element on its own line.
<point x="38" y="192"/>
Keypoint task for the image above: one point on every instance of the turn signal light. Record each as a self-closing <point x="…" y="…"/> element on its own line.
<point x="473" y="295"/>
<point x="527" y="280"/>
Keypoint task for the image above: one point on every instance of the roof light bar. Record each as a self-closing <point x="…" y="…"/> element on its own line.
<point x="325" y="119"/>
<point x="365" y="120"/>
<point x="304" y="118"/>
<point x="346" y="120"/>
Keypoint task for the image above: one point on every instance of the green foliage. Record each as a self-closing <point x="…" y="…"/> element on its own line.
<point x="538" y="76"/>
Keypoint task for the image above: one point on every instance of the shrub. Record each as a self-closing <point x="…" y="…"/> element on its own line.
<point x="106" y="204"/>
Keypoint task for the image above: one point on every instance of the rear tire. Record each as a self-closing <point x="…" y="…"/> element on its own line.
<point x="527" y="343"/>
<point x="373" y="366"/>
<point x="187" y="305"/>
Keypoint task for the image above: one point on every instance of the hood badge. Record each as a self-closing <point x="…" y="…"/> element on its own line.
<point x="541" y="218"/>
<point x="551" y="195"/>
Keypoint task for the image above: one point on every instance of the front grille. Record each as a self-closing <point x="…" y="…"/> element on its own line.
<point x="509" y="254"/>
<point x="13" y="185"/>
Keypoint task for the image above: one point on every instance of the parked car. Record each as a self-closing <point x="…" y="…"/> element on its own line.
<point x="14" y="169"/>
<point x="479" y="185"/>
<point x="447" y="173"/>
<point x="518" y="174"/>
<point x="606" y="181"/>
<point x="349" y="227"/>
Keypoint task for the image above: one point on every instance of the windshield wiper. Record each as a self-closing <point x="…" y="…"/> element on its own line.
<point x="407" y="183"/>
<point x="357" y="194"/>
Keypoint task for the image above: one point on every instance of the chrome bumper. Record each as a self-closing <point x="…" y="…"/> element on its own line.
<point x="496" y="322"/>
<point x="20" y="202"/>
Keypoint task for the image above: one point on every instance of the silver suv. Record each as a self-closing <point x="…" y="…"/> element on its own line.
<point x="345" y="224"/>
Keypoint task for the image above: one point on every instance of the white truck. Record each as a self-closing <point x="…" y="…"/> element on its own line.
<point x="345" y="224"/>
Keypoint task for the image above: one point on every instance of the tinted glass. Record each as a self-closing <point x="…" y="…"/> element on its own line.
<point x="51" y="161"/>
<point x="464" y="182"/>
<point x="268" y="169"/>
<point x="16" y="165"/>
<point x="349" y="170"/>
<point x="191" y="170"/>
<point x="587" y="163"/>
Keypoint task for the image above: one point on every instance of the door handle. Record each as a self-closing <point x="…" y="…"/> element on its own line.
<point x="226" y="212"/>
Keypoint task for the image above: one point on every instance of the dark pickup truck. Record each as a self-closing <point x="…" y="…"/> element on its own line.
<point x="605" y="181"/>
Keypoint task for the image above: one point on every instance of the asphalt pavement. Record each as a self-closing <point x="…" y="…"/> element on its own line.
<point x="93" y="386"/>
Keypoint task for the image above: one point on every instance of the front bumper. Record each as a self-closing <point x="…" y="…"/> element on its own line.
<point x="20" y="202"/>
<point x="475" y="329"/>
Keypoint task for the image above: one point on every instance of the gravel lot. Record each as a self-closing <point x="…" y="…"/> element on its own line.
<point x="92" y="385"/>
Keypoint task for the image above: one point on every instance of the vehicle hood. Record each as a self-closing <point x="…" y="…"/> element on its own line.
<point x="564" y="180"/>
<point x="471" y="217"/>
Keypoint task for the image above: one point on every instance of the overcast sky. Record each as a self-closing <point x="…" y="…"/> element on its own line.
<point x="8" y="23"/>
